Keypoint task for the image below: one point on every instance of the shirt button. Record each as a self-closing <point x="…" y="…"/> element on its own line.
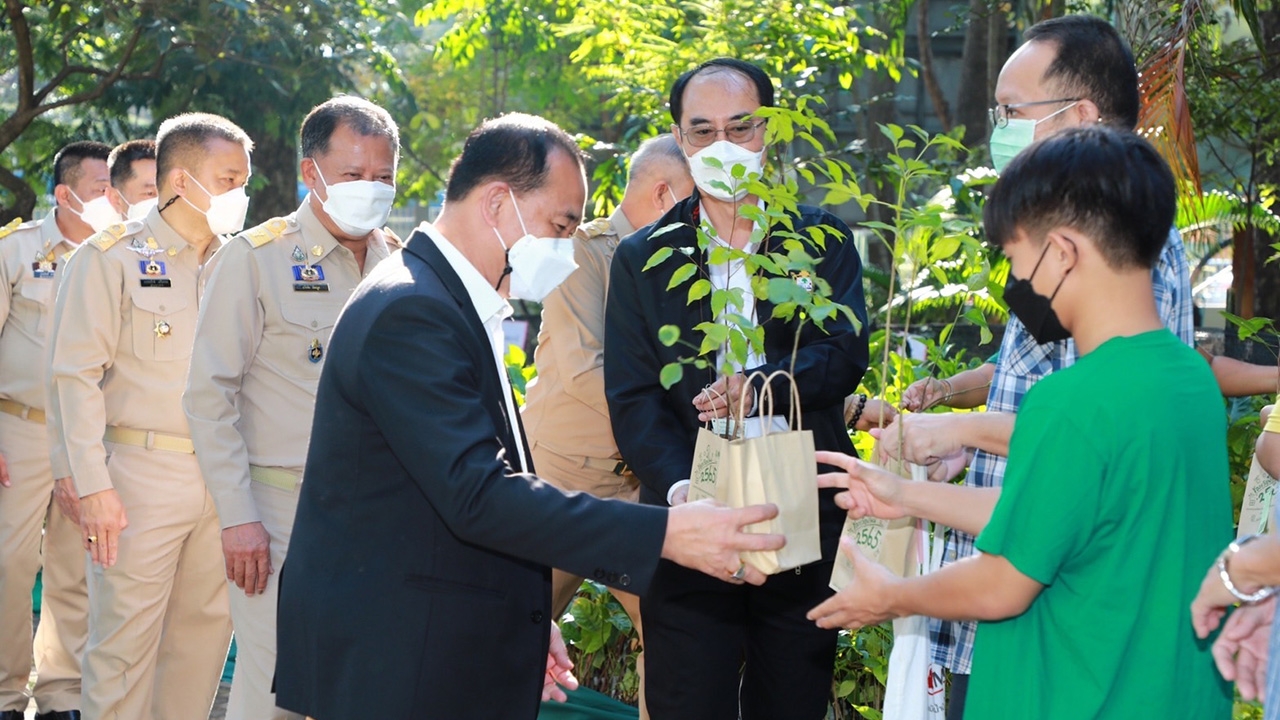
<point x="535" y="616"/>
<point x="162" y="307"/>
<point x="313" y="322"/>
<point x="625" y="580"/>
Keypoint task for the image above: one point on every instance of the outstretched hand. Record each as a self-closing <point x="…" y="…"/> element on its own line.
<point x="708" y="537"/>
<point x="864" y="601"/>
<point x="868" y="490"/>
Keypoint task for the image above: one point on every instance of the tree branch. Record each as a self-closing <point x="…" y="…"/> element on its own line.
<point x="26" y="56"/>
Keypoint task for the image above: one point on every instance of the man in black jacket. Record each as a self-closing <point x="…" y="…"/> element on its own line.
<point x="715" y="650"/>
<point x="418" y="578"/>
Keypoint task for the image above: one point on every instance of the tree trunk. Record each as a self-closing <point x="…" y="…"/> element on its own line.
<point x="1266" y="297"/>
<point x="276" y="158"/>
<point x="24" y="198"/>
<point x="927" y="73"/>
<point x="973" y="100"/>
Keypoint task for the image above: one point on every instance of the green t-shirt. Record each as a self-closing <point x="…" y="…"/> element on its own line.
<point x="1116" y="500"/>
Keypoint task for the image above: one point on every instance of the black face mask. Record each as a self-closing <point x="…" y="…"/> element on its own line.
<point x="1033" y="309"/>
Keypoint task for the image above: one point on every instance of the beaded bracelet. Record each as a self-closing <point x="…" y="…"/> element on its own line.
<point x="857" y="414"/>
<point x="1232" y="549"/>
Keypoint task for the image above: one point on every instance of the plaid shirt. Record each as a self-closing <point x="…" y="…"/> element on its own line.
<point x="1022" y="362"/>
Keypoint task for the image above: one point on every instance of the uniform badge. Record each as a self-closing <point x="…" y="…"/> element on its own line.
<point x="44" y="265"/>
<point x="148" y="249"/>
<point x="163" y="329"/>
<point x="803" y="280"/>
<point x="151" y="267"/>
<point x="315" y="351"/>
<point x="298" y="256"/>
<point x="317" y="250"/>
<point x="308" y="273"/>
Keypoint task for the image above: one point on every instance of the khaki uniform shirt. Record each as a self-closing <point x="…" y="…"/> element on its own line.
<point x="565" y="410"/>
<point x="123" y="327"/>
<point x="263" y="334"/>
<point x="31" y="258"/>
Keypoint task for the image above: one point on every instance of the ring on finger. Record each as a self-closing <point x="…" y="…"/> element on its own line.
<point x="740" y="573"/>
<point x="93" y="538"/>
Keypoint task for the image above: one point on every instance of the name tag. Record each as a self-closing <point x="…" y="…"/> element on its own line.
<point x="310" y="287"/>
<point x="155" y="282"/>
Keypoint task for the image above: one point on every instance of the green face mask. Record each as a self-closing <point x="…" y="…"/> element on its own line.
<point x="1014" y="137"/>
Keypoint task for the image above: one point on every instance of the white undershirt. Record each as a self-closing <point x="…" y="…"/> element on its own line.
<point x="492" y="309"/>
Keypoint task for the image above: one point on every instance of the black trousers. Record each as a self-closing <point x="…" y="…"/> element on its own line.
<point x="958" y="692"/>
<point x="716" y="651"/>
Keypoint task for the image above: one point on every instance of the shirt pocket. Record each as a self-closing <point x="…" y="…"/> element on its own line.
<point x="308" y="323"/>
<point x="163" y="327"/>
<point x="34" y="305"/>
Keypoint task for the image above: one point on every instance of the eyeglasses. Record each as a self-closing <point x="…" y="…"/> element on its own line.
<point x="1000" y="113"/>
<point x="742" y="131"/>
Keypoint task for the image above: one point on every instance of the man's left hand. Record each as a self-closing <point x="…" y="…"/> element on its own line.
<point x="64" y="492"/>
<point x="559" y="669"/>
<point x="864" y="601"/>
<point x="724" y="397"/>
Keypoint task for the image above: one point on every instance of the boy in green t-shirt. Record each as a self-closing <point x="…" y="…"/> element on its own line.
<point x="1115" y="498"/>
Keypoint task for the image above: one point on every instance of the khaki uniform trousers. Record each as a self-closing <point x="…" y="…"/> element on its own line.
<point x="159" y="626"/>
<point x="576" y="474"/>
<point x="26" y="507"/>
<point x="254" y="617"/>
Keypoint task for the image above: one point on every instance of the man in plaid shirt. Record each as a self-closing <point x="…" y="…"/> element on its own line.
<point x="1072" y="71"/>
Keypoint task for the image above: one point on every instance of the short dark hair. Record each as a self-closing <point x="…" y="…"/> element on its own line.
<point x="1109" y="184"/>
<point x="122" y="158"/>
<point x="513" y="148"/>
<point x="758" y="77"/>
<point x="66" y="164"/>
<point x="183" y="140"/>
<point x="362" y="116"/>
<point x="1092" y="62"/>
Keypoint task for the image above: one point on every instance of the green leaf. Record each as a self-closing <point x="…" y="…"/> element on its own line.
<point x="699" y="289"/>
<point x="669" y="335"/>
<point x="671" y="374"/>
<point x="682" y="273"/>
<point x="658" y="257"/>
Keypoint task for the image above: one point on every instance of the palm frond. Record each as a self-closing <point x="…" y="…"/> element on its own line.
<point x="1164" y="118"/>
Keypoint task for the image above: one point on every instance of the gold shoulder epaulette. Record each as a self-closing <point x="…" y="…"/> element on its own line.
<point x="266" y="232"/>
<point x="595" y="228"/>
<point x="14" y="225"/>
<point x="110" y="236"/>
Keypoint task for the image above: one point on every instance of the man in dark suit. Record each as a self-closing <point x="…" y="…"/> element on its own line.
<point x="714" y="650"/>
<point x="418" y="578"/>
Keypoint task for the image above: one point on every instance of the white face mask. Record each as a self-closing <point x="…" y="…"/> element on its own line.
<point x="719" y="182"/>
<point x="536" y="265"/>
<point x="226" y="212"/>
<point x="139" y="210"/>
<point x="357" y="207"/>
<point x="97" y="213"/>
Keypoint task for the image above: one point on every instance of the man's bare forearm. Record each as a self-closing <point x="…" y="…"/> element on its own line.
<point x="967" y="509"/>
<point x="985" y="587"/>
<point x="969" y="388"/>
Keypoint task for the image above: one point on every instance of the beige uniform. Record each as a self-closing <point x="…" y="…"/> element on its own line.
<point x="31" y="259"/>
<point x="124" y="325"/>
<point x="260" y="345"/>
<point x="566" y="416"/>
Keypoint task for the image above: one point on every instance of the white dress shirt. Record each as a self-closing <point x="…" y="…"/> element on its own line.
<point x="492" y="309"/>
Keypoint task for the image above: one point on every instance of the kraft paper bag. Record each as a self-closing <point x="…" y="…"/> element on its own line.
<point x="776" y="466"/>
<point x="887" y="542"/>
<point x="1259" y="497"/>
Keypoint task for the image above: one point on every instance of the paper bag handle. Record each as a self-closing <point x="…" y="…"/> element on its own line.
<point x="730" y="422"/>
<point x="794" y="417"/>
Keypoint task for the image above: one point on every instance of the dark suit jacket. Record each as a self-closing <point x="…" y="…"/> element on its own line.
<point x="417" y="583"/>
<point x="656" y="428"/>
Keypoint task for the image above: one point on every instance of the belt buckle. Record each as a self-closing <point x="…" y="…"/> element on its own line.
<point x="151" y="440"/>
